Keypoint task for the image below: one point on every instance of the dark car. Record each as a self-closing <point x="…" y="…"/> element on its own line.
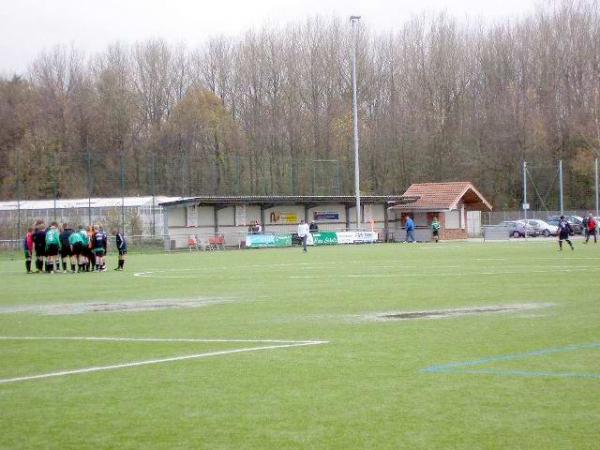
<point x="574" y="221"/>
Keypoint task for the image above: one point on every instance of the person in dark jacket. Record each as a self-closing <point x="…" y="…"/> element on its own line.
<point x="66" y="252"/>
<point x="39" y="244"/>
<point x="564" y="232"/>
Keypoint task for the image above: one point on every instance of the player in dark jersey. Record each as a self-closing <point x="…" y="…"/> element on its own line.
<point x="100" y="247"/>
<point x="39" y="245"/>
<point x="564" y="232"/>
<point x="121" y="247"/>
<point x="66" y="252"/>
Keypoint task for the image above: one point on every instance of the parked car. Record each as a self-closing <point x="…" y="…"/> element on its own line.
<point x="516" y="228"/>
<point x="543" y="228"/>
<point x="574" y="221"/>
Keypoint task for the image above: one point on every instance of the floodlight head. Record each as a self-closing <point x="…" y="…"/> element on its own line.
<point x="353" y="18"/>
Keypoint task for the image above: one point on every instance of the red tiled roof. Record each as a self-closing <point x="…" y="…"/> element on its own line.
<point x="443" y="196"/>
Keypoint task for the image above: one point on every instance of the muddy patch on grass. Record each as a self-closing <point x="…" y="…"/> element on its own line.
<point x="105" y="307"/>
<point x="458" y="312"/>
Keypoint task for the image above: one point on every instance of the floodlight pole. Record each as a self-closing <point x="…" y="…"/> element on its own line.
<point x="560" y="182"/>
<point x="354" y="20"/>
<point x="525" y="195"/>
<point x="596" y="185"/>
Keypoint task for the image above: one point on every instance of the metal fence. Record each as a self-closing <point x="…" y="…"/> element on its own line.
<point x="496" y="217"/>
<point x="135" y="244"/>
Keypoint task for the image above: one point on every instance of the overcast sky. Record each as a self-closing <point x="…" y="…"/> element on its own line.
<point x="30" y="26"/>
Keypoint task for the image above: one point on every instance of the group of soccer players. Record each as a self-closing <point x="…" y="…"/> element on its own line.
<point x="85" y="249"/>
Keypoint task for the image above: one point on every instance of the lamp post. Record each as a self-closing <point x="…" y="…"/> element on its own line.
<point x="355" y="20"/>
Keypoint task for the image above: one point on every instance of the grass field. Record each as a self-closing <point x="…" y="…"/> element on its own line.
<point x="288" y="350"/>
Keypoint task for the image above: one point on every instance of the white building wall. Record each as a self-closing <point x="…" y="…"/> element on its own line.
<point x="177" y="217"/>
<point x="226" y="217"/>
<point x="233" y="221"/>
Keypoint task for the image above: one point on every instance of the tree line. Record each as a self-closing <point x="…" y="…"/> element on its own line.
<point x="270" y="111"/>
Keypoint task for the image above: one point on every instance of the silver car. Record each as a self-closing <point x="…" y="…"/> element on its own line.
<point x="542" y="228"/>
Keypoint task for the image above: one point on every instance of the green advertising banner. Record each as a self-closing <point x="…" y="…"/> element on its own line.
<point x="268" y="240"/>
<point x="325" y="238"/>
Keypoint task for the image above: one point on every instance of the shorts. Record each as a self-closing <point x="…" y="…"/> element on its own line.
<point x="40" y="251"/>
<point x="436" y="232"/>
<point x="563" y="237"/>
<point x="27" y="254"/>
<point x="65" y="251"/>
<point x="78" y="249"/>
<point x="122" y="252"/>
<point x="99" y="252"/>
<point x="52" y="250"/>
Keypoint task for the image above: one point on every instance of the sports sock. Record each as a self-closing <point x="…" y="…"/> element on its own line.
<point x="28" y="266"/>
<point x="72" y="267"/>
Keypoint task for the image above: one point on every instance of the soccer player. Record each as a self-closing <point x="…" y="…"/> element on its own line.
<point x="435" y="229"/>
<point x="90" y="256"/>
<point x="121" y="247"/>
<point x="39" y="245"/>
<point x="100" y="244"/>
<point x="28" y="248"/>
<point x="78" y="243"/>
<point x="564" y="232"/>
<point x="66" y="253"/>
<point x="591" y="229"/>
<point x="53" y="248"/>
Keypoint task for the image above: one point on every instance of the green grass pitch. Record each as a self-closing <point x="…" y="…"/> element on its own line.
<point x="287" y="350"/>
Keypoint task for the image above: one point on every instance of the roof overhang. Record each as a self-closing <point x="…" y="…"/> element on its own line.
<point x="274" y="200"/>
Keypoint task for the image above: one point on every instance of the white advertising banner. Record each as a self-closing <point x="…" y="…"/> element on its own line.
<point x="356" y="237"/>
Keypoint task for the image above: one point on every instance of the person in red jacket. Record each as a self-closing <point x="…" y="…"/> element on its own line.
<point x="591" y="229"/>
<point x="28" y="248"/>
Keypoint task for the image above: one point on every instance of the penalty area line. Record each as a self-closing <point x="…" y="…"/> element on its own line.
<point x="148" y="362"/>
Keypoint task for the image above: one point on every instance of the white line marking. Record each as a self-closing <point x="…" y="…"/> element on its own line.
<point x="282" y="344"/>
<point x="130" y="339"/>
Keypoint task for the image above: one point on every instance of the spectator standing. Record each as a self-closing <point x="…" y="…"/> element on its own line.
<point x="410" y="229"/>
<point x="303" y="231"/>
<point x="313" y="228"/>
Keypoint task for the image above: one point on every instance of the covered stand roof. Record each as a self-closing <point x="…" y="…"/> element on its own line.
<point x="93" y="202"/>
<point x="443" y="197"/>
<point x="286" y="200"/>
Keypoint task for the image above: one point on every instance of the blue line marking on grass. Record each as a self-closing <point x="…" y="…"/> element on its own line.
<point x="466" y="367"/>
